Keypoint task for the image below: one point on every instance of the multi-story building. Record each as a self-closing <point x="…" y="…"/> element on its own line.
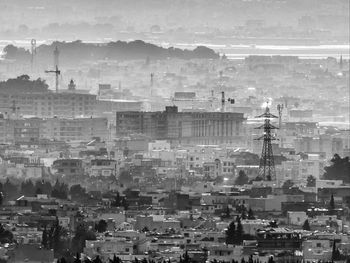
<point x="278" y="239"/>
<point x="183" y="127"/>
<point x="49" y="104"/>
<point x="68" y="167"/>
<point x="103" y="167"/>
<point x="76" y="129"/>
<point x="25" y="130"/>
<point x="324" y="144"/>
<point x="32" y="130"/>
<point x="300" y="170"/>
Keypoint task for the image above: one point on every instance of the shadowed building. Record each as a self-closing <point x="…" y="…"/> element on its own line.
<point x="183" y="127"/>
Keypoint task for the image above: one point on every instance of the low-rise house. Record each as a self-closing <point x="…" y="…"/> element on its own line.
<point x="315" y="249"/>
<point x="107" y="247"/>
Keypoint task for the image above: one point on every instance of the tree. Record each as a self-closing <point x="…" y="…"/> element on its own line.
<point x="101" y="226"/>
<point x="125" y="203"/>
<point x="97" y="259"/>
<point x="77" y="258"/>
<point x="231" y="233"/>
<point x="57" y="238"/>
<point x="117" y="200"/>
<point x="1" y="198"/>
<point x="82" y="234"/>
<point x="115" y="259"/>
<point x="10" y="190"/>
<point x="239" y="232"/>
<point x="339" y="169"/>
<point x="227" y="212"/>
<point x="28" y="188"/>
<point x="251" y="214"/>
<point x="43" y="187"/>
<point x="44" y="239"/>
<point x="331" y="206"/>
<point x="145" y="229"/>
<point x="273" y="224"/>
<point x="77" y="192"/>
<point x="287" y="185"/>
<point x="6" y="236"/>
<point x="306" y="225"/>
<point x="60" y="190"/>
<point x="311" y="181"/>
<point x="38" y="191"/>
<point x="242" y="178"/>
<point x="186" y="258"/>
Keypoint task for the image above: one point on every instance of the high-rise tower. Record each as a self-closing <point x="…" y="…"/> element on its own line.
<point x="267" y="165"/>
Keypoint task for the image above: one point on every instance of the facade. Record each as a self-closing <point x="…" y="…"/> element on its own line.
<point x="68" y="167"/>
<point x="50" y="104"/>
<point x="183" y="127"/>
<point x="323" y="144"/>
<point x="32" y="130"/>
<point x="103" y="167"/>
<point x="275" y="239"/>
<point x="316" y="249"/>
<point x="76" y="129"/>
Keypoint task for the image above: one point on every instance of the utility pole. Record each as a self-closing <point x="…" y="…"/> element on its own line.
<point x="223" y="109"/>
<point x="280" y="109"/>
<point x="267" y="165"/>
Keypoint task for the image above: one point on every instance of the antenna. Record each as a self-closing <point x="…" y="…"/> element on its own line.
<point x="223" y="101"/>
<point x="280" y="109"/>
<point x="151" y="86"/>
<point x="33" y="53"/>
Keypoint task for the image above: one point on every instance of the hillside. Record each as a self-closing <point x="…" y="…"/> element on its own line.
<point x="72" y="53"/>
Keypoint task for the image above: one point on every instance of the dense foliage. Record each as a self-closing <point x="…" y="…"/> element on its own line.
<point x="339" y="169"/>
<point x="23" y="84"/>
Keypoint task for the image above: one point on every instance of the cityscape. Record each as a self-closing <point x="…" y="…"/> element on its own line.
<point x="175" y="131"/>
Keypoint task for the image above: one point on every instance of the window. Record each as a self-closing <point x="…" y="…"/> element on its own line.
<point x="318" y="245"/>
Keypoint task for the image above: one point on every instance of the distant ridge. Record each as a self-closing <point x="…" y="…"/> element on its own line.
<point x="75" y="52"/>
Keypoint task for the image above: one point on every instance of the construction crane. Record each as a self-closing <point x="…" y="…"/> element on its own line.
<point x="57" y="72"/>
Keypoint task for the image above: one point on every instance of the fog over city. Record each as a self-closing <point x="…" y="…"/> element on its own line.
<point x="183" y="131"/>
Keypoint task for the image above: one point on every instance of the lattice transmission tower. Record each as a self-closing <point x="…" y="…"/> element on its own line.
<point x="267" y="165"/>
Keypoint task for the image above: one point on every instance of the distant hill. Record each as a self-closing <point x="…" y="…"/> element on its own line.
<point x="72" y="53"/>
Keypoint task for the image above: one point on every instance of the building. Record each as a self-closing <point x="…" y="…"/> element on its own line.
<point x="49" y="104"/>
<point x="103" y="167"/>
<point x="315" y="249"/>
<point x="183" y="127"/>
<point x="278" y="239"/>
<point x="68" y="167"/>
<point x="323" y="144"/>
<point x="34" y="130"/>
<point x="108" y="247"/>
<point x="84" y="129"/>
